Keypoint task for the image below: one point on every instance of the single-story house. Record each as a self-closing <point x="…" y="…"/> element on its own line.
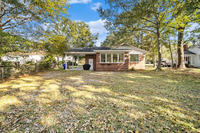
<point x="191" y="55"/>
<point x="122" y="57"/>
<point x="36" y="56"/>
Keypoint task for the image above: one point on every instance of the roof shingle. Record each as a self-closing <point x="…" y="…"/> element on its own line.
<point x="188" y="52"/>
<point x="88" y="49"/>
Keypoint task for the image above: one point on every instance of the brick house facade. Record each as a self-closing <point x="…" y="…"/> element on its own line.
<point x="113" y="59"/>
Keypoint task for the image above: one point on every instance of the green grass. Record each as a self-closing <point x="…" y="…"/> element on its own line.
<point x="134" y="101"/>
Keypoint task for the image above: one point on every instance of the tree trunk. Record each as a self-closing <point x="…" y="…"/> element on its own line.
<point x="154" y="60"/>
<point x="57" y="63"/>
<point x="159" y="46"/>
<point x="0" y="60"/>
<point x="36" y="67"/>
<point x="180" y="51"/>
<point x="170" y="49"/>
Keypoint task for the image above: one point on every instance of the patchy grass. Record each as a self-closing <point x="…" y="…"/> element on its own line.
<point x="66" y="101"/>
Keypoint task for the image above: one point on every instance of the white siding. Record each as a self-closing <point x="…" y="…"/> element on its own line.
<point x="135" y="52"/>
<point x="196" y="57"/>
<point x="22" y="59"/>
<point x="124" y="47"/>
<point x="34" y="58"/>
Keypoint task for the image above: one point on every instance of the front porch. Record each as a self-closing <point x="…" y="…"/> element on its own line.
<point x="189" y="59"/>
<point x="82" y="58"/>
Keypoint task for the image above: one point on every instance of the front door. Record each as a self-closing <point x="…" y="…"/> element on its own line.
<point x="91" y="63"/>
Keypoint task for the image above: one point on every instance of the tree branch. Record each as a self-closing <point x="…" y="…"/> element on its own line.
<point x="17" y="24"/>
<point x="147" y="20"/>
<point x="12" y="19"/>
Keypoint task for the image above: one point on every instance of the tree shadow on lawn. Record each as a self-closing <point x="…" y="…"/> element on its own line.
<point x="100" y="101"/>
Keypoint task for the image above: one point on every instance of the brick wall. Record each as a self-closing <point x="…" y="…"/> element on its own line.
<point x="138" y="65"/>
<point x="112" y="66"/>
<point x="91" y="56"/>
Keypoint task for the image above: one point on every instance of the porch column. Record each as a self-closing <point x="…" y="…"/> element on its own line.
<point x="77" y="61"/>
<point x="191" y="63"/>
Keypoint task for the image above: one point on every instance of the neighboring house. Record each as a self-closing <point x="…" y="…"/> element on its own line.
<point x="122" y="57"/>
<point x="32" y="56"/>
<point x="191" y="55"/>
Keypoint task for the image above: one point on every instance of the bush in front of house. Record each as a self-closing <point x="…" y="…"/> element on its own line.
<point x="8" y="68"/>
<point x="30" y="63"/>
<point x="70" y="63"/>
<point x="132" y="69"/>
<point x="48" y="62"/>
<point x="42" y="65"/>
<point x="6" y="64"/>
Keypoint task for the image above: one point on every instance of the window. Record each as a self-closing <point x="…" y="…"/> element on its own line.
<point x="109" y="58"/>
<point x="112" y="58"/>
<point x="134" y="58"/>
<point x="199" y="57"/>
<point x="103" y="57"/>
<point x="115" y="58"/>
<point x="121" y="57"/>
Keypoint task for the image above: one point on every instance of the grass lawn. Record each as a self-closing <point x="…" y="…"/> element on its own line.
<point x="134" y="101"/>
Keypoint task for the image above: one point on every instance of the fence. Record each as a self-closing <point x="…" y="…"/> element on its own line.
<point x="6" y="72"/>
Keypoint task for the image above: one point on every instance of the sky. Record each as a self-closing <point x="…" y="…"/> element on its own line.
<point x="86" y="10"/>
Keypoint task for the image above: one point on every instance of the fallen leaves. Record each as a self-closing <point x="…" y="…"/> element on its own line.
<point x="85" y="101"/>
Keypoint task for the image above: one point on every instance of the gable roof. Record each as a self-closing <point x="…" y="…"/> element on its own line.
<point x="198" y="46"/>
<point x="133" y="47"/>
<point x="88" y="49"/>
<point x="97" y="49"/>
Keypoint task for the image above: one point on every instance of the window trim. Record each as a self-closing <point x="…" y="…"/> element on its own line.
<point x="112" y="58"/>
<point x="105" y="58"/>
<point x="117" y="58"/>
<point x="123" y="58"/>
<point x="134" y="61"/>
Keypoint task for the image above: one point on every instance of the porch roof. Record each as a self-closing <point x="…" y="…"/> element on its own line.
<point x="188" y="53"/>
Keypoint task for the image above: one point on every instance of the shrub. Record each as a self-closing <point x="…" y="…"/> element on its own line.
<point x="30" y="62"/>
<point x="186" y="65"/>
<point x="62" y="62"/>
<point x="43" y="65"/>
<point x="6" y="64"/>
<point x="23" y="69"/>
<point x="49" y="60"/>
<point x="132" y="69"/>
<point x="70" y="63"/>
<point x="8" y="71"/>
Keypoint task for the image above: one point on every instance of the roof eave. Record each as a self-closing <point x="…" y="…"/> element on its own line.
<point x="80" y="52"/>
<point x="111" y="50"/>
<point x="144" y="51"/>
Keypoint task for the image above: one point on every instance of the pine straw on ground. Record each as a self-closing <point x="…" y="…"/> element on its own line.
<point x="86" y="101"/>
